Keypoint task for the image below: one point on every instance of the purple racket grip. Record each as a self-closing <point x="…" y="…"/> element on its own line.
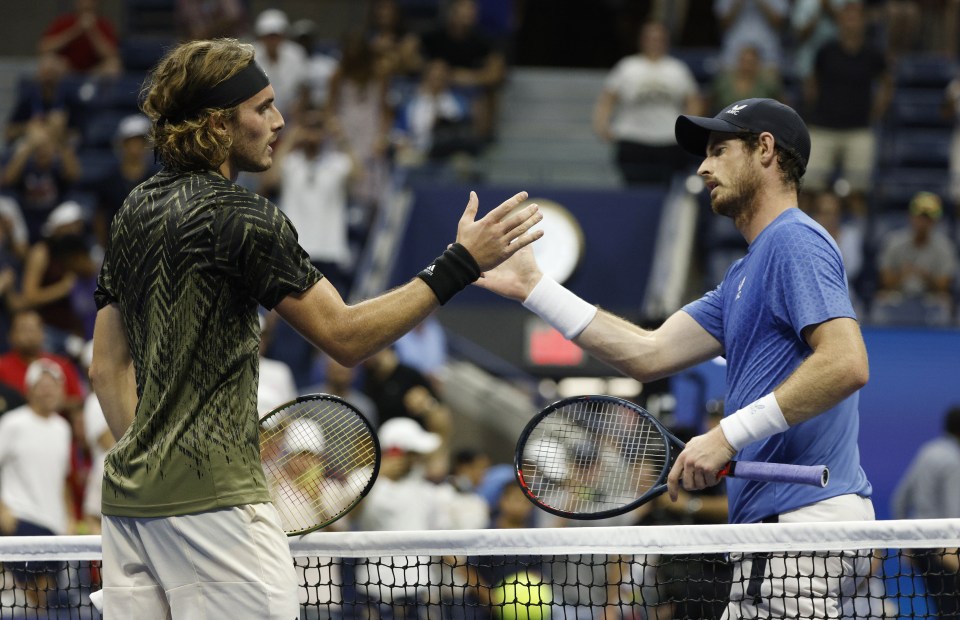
<point x="814" y="475"/>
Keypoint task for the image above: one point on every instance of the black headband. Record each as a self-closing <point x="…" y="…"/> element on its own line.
<point x="230" y="92"/>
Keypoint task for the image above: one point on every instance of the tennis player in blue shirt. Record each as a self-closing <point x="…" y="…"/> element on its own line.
<point x="782" y="317"/>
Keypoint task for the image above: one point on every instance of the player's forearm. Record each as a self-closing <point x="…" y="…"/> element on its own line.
<point x="116" y="389"/>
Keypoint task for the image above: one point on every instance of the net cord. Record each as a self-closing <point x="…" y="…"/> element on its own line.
<point x="667" y="539"/>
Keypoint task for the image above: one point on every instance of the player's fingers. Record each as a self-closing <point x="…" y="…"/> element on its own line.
<point x="523" y="221"/>
<point x="470" y="212"/>
<point x="505" y="207"/>
<point x="673" y="480"/>
<point x="523" y="241"/>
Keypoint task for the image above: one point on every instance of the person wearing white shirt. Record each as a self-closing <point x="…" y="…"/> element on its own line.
<point x="641" y="99"/>
<point x="283" y="60"/>
<point x="34" y="464"/>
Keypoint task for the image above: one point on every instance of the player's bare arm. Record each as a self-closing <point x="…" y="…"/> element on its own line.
<point x="351" y="333"/>
<point x="644" y="355"/>
<point x="111" y="372"/>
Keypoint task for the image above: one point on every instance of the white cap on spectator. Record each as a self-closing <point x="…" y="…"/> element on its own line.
<point x="303" y="436"/>
<point x="41" y="367"/>
<point x="408" y="435"/>
<point x="68" y="212"/>
<point x="133" y="126"/>
<point x="271" y="21"/>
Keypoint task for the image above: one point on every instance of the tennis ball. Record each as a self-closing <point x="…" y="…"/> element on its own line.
<point x="522" y="597"/>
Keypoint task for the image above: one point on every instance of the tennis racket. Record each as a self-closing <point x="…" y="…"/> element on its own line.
<point x="320" y="457"/>
<point x="591" y="457"/>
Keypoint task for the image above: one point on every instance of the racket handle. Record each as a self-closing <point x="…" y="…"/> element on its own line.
<point x="814" y="475"/>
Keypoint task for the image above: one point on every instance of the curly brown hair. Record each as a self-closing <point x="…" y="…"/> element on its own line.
<point x="192" y="143"/>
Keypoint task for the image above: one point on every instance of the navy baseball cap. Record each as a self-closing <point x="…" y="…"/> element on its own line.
<point x="752" y="116"/>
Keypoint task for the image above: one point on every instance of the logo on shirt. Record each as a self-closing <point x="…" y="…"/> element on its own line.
<point x="740" y="288"/>
<point x="736" y="109"/>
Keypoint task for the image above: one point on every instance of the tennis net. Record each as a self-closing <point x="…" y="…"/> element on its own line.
<point x="882" y="569"/>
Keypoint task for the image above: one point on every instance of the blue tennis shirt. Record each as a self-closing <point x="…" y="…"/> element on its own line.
<point x="791" y="277"/>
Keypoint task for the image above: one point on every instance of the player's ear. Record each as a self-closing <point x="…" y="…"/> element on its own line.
<point x="217" y="122"/>
<point x="766" y="148"/>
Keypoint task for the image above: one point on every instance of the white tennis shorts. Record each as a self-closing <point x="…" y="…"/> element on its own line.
<point x="802" y="584"/>
<point x="232" y="563"/>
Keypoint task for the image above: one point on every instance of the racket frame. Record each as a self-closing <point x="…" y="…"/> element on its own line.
<point x="373" y="436"/>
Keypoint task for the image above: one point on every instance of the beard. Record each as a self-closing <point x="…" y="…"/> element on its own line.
<point x="248" y="158"/>
<point x="739" y="200"/>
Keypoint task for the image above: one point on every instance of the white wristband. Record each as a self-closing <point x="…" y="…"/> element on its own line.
<point x="758" y="420"/>
<point x="560" y="307"/>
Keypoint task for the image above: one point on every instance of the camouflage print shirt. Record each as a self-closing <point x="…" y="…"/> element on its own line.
<point x="190" y="257"/>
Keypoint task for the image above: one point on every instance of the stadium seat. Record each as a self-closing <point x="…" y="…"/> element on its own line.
<point x="98" y="131"/>
<point x="924" y="71"/>
<point x="922" y="148"/>
<point x="120" y="94"/>
<point x="704" y="62"/>
<point x="918" y="107"/>
<point x="896" y="186"/>
<point x="95" y="165"/>
<point x="140" y="53"/>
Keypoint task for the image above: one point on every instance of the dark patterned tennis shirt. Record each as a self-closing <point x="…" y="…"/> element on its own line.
<point x="190" y="258"/>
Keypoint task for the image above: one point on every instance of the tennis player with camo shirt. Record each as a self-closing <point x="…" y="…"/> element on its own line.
<point x="782" y="317"/>
<point x="188" y="530"/>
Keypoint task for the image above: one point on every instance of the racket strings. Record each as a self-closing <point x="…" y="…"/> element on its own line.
<point x="318" y="461"/>
<point x="591" y="457"/>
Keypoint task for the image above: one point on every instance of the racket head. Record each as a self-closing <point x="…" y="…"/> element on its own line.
<point x="320" y="456"/>
<point x="593" y="457"/>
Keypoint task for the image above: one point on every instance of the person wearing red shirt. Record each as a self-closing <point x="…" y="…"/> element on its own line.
<point x="87" y="41"/>
<point x="26" y="345"/>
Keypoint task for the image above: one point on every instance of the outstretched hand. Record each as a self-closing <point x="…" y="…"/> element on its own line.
<point x="515" y="277"/>
<point x="499" y="234"/>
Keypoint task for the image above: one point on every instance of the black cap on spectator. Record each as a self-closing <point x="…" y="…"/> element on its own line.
<point x="751" y="116"/>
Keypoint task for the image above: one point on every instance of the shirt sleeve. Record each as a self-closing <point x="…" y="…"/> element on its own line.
<point x="708" y="312"/>
<point x="256" y="246"/>
<point x="103" y="295"/>
<point x="814" y="284"/>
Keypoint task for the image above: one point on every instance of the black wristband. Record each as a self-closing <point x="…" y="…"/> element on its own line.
<point x="450" y="273"/>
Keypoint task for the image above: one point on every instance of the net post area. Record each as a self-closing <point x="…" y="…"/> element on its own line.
<point x="879" y="569"/>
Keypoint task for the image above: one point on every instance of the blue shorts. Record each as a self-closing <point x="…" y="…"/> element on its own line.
<point x="26" y="571"/>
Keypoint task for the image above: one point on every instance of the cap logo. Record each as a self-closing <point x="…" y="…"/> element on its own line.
<point x="736" y="109"/>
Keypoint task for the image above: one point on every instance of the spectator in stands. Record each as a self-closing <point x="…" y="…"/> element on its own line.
<point x="848" y="91"/>
<point x="917" y="266"/>
<point x="403" y="499"/>
<point x="338" y="380"/>
<point x="315" y="89"/>
<point x="468" y="467"/>
<point x="749" y="78"/>
<point x="282" y="60"/>
<point x="812" y="23"/>
<point x="13" y="250"/>
<point x="212" y="19"/>
<point x="86" y="39"/>
<point x="930" y="489"/>
<point x="436" y="121"/>
<point x="312" y="170"/>
<point x="134" y="165"/>
<point x="40" y="172"/>
<point x="358" y="100"/>
<point x="45" y="99"/>
<point x="641" y="99"/>
<point x="424" y="348"/>
<point x="475" y="63"/>
<point x="396" y="46"/>
<point x="754" y="22"/>
<point x="56" y="269"/>
<point x="951" y="110"/>
<point x="400" y="391"/>
<point x="26" y="346"/>
<point x="828" y="210"/>
<point x="34" y="464"/>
